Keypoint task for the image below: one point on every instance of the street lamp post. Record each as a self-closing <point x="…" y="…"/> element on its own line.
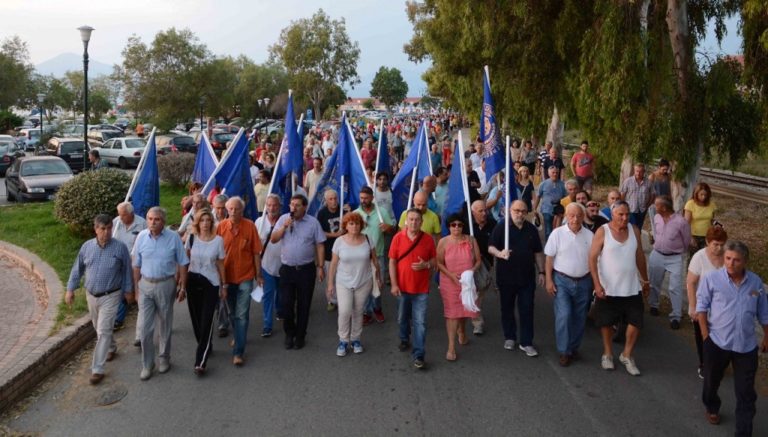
<point x="40" y="99"/>
<point x="202" y="105"/>
<point x="266" y="107"/>
<point x="85" y="35"/>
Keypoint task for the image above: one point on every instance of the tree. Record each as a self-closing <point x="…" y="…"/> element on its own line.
<point x="368" y="104"/>
<point x="317" y="54"/>
<point x="256" y="82"/>
<point x="388" y="86"/>
<point x="166" y="80"/>
<point x="15" y="72"/>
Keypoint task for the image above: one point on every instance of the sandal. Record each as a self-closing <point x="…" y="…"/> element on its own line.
<point x="450" y="356"/>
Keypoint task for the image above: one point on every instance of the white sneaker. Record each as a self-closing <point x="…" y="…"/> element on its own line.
<point x="357" y="347"/>
<point x="607" y="362"/>
<point x="529" y="350"/>
<point x="509" y="344"/>
<point x="146" y="373"/>
<point x="629" y="364"/>
<point x="164" y="366"/>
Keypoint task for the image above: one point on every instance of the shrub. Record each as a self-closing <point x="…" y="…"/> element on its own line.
<point x="176" y="168"/>
<point x="88" y="194"/>
<point x="9" y="120"/>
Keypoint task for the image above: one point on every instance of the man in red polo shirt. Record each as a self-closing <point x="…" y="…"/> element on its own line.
<point x="411" y="261"/>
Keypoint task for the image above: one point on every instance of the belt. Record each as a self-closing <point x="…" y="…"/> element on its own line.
<point x="301" y="267"/>
<point x="571" y="277"/>
<point x="668" y="254"/>
<point x="157" y="280"/>
<point x="104" y="293"/>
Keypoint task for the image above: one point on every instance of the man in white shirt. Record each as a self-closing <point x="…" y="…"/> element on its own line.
<point x="568" y="280"/>
<point x="125" y="227"/>
<point x="270" y="260"/>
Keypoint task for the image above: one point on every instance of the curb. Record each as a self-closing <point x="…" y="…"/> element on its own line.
<point x="52" y="351"/>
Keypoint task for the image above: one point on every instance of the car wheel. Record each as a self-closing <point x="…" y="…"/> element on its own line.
<point x="123" y="163"/>
<point x="8" y="194"/>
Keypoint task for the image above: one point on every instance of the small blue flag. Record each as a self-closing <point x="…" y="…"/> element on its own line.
<point x="290" y="166"/>
<point x="234" y="177"/>
<point x="491" y="148"/>
<point x="344" y="162"/>
<point x="382" y="160"/>
<point x="455" y="198"/>
<point x="146" y="189"/>
<point x="418" y="160"/>
<point x="205" y="161"/>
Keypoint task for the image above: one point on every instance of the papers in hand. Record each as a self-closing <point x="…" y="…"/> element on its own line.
<point x="257" y="293"/>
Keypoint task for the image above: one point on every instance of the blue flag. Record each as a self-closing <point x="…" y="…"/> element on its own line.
<point x="345" y="161"/>
<point x="490" y="145"/>
<point x="455" y="198"/>
<point x="382" y="160"/>
<point x="205" y="161"/>
<point x="146" y="190"/>
<point x="234" y="177"/>
<point x="417" y="160"/>
<point x="290" y="165"/>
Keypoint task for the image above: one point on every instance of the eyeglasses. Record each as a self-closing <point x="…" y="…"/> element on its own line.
<point x="457" y="225"/>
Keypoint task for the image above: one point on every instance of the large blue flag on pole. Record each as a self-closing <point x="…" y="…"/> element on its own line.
<point x="344" y="172"/>
<point x="490" y="139"/>
<point x="234" y="177"/>
<point x="205" y="161"/>
<point x="456" y="196"/>
<point x="290" y="161"/>
<point x="382" y="156"/>
<point x="414" y="169"/>
<point x="144" y="192"/>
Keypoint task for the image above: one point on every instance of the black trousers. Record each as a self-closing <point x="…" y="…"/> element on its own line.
<point x="716" y="360"/>
<point x="699" y="342"/>
<point x="202" y="300"/>
<point x="297" y="285"/>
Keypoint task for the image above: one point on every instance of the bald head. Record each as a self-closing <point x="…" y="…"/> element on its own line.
<point x="420" y="201"/>
<point x="479" y="212"/>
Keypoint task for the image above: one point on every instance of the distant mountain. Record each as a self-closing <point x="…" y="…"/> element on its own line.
<point x="71" y="62"/>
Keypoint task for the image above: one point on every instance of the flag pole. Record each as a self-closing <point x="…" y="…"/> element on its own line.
<point x="224" y="158"/>
<point x="140" y="166"/>
<point x="413" y="177"/>
<point x="378" y="150"/>
<point x="487" y="76"/>
<point x="274" y="169"/>
<point x="209" y="149"/>
<point x="341" y="198"/>
<point x="465" y="184"/>
<point x="507" y="188"/>
<point x="301" y="141"/>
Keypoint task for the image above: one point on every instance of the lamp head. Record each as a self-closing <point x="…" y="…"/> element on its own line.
<point x="85" y="33"/>
<point x="41" y="98"/>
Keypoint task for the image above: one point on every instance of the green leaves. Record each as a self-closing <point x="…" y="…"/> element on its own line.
<point x="388" y="86"/>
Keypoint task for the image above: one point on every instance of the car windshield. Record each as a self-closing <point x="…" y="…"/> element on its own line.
<point x="34" y="133"/>
<point x="44" y="167"/>
<point x="134" y="144"/>
<point x="186" y="141"/>
<point x="5" y="148"/>
<point x="72" y="147"/>
<point x="111" y="134"/>
<point x="224" y="137"/>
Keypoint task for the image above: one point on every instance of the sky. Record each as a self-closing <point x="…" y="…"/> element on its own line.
<point x="230" y="27"/>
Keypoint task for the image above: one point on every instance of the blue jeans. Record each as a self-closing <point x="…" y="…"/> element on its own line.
<point x="239" y="301"/>
<point x="413" y="308"/>
<point x="269" y="299"/>
<point x="571" y="303"/>
<point x="522" y="295"/>
<point x="548" y="221"/>
<point x="637" y="219"/>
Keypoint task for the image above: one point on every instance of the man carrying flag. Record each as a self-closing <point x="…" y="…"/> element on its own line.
<point x="144" y="191"/>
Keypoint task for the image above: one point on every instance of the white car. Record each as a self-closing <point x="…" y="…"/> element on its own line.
<point x="125" y="152"/>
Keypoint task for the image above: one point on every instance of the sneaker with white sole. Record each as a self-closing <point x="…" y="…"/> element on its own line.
<point x="509" y="345"/>
<point x="529" y="350"/>
<point x="629" y="364"/>
<point x="341" y="351"/>
<point x="607" y="362"/>
<point x="357" y="347"/>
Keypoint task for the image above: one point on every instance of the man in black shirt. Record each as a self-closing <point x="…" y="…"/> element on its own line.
<point x="482" y="226"/>
<point x="329" y="217"/>
<point x="516" y="275"/>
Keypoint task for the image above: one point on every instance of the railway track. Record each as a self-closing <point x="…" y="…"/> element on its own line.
<point x="722" y="182"/>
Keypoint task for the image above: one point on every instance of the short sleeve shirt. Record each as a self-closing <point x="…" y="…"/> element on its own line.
<point x="330" y="222"/>
<point x="298" y="244"/>
<point x="524" y="243"/>
<point x="241" y="245"/>
<point x="412" y="281"/>
<point x="203" y="256"/>
<point x="354" y="268"/>
<point x="430" y="222"/>
<point x="700" y="263"/>
<point x="702" y="217"/>
<point x="582" y="163"/>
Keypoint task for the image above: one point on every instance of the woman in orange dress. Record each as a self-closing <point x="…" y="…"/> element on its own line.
<point x="456" y="253"/>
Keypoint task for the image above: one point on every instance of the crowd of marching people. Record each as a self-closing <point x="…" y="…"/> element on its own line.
<point x="554" y="234"/>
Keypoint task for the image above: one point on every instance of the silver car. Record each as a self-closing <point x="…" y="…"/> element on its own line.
<point x="36" y="178"/>
<point x="125" y="152"/>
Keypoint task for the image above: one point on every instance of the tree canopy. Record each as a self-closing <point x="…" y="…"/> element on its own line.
<point x="388" y="86"/>
<point x="15" y="72"/>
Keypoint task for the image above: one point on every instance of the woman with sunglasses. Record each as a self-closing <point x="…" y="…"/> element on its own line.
<point x="456" y="253"/>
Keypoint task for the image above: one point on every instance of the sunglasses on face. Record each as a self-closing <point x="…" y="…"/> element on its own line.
<point x="591" y="204"/>
<point x="457" y="225"/>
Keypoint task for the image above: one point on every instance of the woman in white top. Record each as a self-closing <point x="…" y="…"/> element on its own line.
<point x="205" y="282"/>
<point x="704" y="261"/>
<point x="351" y="277"/>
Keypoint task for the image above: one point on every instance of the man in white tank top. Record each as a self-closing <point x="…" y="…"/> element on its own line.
<point x="619" y="273"/>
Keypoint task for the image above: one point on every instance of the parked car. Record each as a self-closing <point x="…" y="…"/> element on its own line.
<point x="220" y="141"/>
<point x="71" y="150"/>
<point x="124" y="151"/>
<point x="275" y="127"/>
<point x="98" y="137"/>
<point x="30" y="137"/>
<point x="178" y="143"/>
<point x="104" y="127"/>
<point x="122" y="123"/>
<point x="36" y="178"/>
<point x="230" y="128"/>
<point x="9" y="151"/>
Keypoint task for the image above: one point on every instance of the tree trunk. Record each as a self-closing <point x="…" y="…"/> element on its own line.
<point x="644" y="9"/>
<point x="626" y="166"/>
<point x="555" y="131"/>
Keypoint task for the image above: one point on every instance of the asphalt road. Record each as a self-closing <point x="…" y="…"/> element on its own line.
<point x="488" y="391"/>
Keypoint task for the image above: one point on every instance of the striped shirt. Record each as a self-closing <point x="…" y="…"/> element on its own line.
<point x="637" y="194"/>
<point x="105" y="268"/>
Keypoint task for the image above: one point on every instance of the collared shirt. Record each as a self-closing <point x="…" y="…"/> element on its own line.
<point x="300" y="241"/>
<point x="732" y="309"/>
<point x="570" y="250"/>
<point x="672" y="236"/>
<point x="241" y="245"/>
<point x="637" y="194"/>
<point x="105" y="268"/>
<point x="409" y="280"/>
<point x="372" y="230"/>
<point x="158" y="256"/>
<point x="482" y="236"/>
<point x="128" y="234"/>
<point x="270" y="261"/>
<point x="550" y="192"/>
<point x="524" y="243"/>
<point x="430" y="222"/>
<point x="441" y="195"/>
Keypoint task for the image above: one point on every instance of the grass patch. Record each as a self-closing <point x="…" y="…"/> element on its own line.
<point x="34" y="227"/>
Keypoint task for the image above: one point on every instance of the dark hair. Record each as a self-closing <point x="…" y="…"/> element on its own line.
<point x="455" y="217"/>
<point x="366" y="190"/>
<point x="300" y="197"/>
<point x="417" y="210"/>
<point x="663" y="163"/>
<point x="94" y="153"/>
<point x="666" y="201"/>
<point x="584" y="142"/>
<point x="702" y="186"/>
<point x="381" y="173"/>
<point x="102" y="220"/>
<point x="439" y="170"/>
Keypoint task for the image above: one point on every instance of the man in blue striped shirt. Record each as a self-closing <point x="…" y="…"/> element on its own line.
<point x="106" y="264"/>
<point x="728" y="301"/>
